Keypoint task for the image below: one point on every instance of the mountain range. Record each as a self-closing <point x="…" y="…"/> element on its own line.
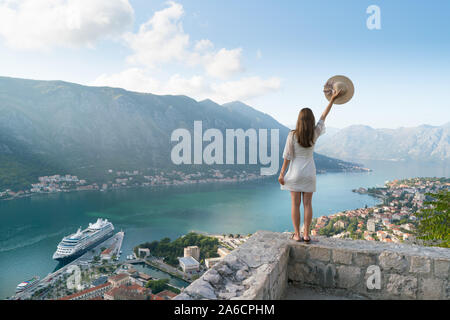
<point x="359" y="142"/>
<point x="49" y="127"/>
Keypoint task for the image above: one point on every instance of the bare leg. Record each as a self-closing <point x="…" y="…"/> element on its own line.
<point x="307" y="205"/>
<point x="296" y="198"/>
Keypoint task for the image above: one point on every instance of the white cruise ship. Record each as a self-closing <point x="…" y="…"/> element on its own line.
<point x="74" y="245"/>
<point x="27" y="284"/>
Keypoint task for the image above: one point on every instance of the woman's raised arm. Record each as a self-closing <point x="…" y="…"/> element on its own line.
<point x="328" y="109"/>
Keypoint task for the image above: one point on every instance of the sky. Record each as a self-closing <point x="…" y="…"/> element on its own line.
<point x="273" y="55"/>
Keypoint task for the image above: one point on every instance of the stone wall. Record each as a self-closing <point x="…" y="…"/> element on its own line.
<point x="261" y="268"/>
<point x="256" y="270"/>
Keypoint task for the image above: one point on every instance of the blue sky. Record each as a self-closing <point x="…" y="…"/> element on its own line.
<point x="273" y="55"/>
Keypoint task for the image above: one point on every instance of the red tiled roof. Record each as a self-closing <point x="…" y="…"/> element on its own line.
<point x="118" y="277"/>
<point x="133" y="287"/>
<point x="112" y="292"/>
<point x="74" y="295"/>
<point x="167" y="293"/>
<point x="156" y="297"/>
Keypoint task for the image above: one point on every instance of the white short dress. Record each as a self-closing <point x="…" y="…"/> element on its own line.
<point x="301" y="175"/>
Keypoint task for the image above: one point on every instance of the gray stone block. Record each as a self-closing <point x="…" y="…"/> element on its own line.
<point x="431" y="289"/>
<point x="342" y="256"/>
<point x="441" y="268"/>
<point x="298" y="253"/>
<point x="393" y="261"/>
<point x="330" y="276"/>
<point x="318" y="253"/>
<point x="402" y="286"/>
<point x="364" y="259"/>
<point x="300" y="272"/>
<point x="348" y="277"/>
<point x="420" y="265"/>
<point x="317" y="272"/>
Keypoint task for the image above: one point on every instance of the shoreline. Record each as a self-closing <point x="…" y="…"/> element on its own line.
<point x="159" y="186"/>
<point x="182" y="184"/>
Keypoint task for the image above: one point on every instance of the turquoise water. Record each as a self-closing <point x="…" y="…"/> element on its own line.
<point x="30" y="228"/>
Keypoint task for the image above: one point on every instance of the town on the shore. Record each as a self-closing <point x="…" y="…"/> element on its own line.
<point x="393" y="220"/>
<point x="119" y="179"/>
<point x="126" y="179"/>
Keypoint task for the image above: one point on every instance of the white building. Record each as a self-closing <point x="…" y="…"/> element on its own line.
<point x="189" y="264"/>
<point x="371" y="225"/>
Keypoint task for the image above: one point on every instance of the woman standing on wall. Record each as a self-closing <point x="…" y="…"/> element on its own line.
<point x="298" y="153"/>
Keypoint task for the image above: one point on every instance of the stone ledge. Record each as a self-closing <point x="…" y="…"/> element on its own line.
<point x="256" y="270"/>
<point x="262" y="266"/>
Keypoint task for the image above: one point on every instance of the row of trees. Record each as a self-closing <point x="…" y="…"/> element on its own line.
<point x="433" y="221"/>
<point x="160" y="285"/>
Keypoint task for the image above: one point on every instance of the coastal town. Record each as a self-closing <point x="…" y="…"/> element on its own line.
<point x="120" y="179"/>
<point x="128" y="179"/>
<point x="393" y="220"/>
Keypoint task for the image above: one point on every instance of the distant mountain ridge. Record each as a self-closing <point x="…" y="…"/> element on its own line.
<point x="59" y="127"/>
<point x="359" y="142"/>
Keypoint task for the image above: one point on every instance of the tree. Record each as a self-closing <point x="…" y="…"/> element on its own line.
<point x="157" y="285"/>
<point x="433" y="222"/>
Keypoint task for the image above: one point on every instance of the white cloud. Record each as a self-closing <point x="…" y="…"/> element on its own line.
<point x="161" y="41"/>
<point x="198" y="87"/>
<point x="224" y="63"/>
<point x="43" y="24"/>
<point x="203" y="44"/>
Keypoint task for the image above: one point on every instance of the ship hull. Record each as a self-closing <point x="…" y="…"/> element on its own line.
<point x="79" y="253"/>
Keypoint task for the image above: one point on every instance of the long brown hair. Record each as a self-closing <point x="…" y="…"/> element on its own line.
<point x="305" y="128"/>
